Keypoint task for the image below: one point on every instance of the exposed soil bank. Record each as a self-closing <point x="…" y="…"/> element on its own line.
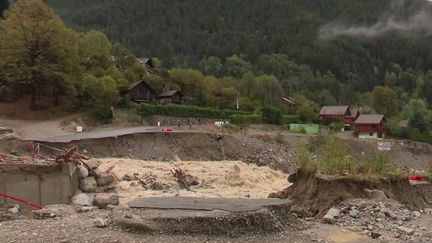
<point x="314" y="194"/>
<point x="186" y="146"/>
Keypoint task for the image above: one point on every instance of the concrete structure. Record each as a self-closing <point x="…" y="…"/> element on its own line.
<point x="41" y="184"/>
<point x="371" y="126"/>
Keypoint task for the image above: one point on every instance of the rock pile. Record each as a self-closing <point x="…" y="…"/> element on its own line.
<point x="95" y="186"/>
<point x="265" y="152"/>
<point x="384" y="220"/>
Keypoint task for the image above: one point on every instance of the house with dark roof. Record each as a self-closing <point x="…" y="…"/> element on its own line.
<point x="147" y="64"/>
<point x="171" y="97"/>
<point x="330" y="114"/>
<point x="371" y="126"/>
<point x="140" y="91"/>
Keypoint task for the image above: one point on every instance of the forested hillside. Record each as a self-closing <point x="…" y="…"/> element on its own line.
<point x="376" y="55"/>
<point x="183" y="32"/>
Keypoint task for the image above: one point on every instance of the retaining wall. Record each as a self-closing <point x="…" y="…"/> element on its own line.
<point x="45" y="187"/>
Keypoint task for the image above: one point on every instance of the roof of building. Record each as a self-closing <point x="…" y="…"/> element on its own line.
<point x="146" y="61"/>
<point x="134" y="84"/>
<point x="169" y="93"/>
<point x="354" y="112"/>
<point x="333" y="110"/>
<point x="370" y="119"/>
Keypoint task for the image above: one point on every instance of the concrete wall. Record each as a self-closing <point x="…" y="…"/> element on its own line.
<point x="54" y="187"/>
<point x="367" y="135"/>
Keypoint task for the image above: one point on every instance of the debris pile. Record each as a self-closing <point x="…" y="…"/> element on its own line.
<point x="384" y="220"/>
<point x="184" y="180"/>
<point x="4" y="130"/>
<point x="11" y="212"/>
<point x="148" y="181"/>
<point x="95" y="185"/>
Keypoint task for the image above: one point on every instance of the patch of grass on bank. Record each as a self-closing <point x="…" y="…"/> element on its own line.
<point x="334" y="156"/>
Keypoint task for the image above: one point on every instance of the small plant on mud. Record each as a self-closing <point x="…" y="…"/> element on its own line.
<point x="279" y="138"/>
<point x="429" y="172"/>
<point x="305" y="160"/>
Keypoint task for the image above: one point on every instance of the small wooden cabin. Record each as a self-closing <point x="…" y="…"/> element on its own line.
<point x="171" y="97"/>
<point x="371" y="126"/>
<point x="140" y="92"/>
<point x="329" y="114"/>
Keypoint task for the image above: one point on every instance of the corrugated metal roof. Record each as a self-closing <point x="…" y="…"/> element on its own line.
<point x="334" y="110"/>
<point x="370" y="119"/>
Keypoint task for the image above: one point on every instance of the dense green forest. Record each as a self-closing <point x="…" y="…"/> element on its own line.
<point x="376" y="55"/>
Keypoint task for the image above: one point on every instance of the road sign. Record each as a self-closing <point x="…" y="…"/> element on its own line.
<point x="384" y="146"/>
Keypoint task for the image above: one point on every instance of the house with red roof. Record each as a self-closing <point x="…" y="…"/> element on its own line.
<point x="330" y="114"/>
<point x="371" y="126"/>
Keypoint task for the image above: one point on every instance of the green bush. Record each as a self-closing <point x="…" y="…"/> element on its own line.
<point x="288" y="119"/>
<point x="185" y="111"/>
<point x="271" y="115"/>
<point x="304" y="159"/>
<point x="246" y="119"/>
<point x="336" y="126"/>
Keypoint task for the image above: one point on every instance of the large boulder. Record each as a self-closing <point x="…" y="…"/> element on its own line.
<point x="82" y="172"/>
<point x="104" y="179"/>
<point x="102" y="200"/>
<point x="92" y="163"/>
<point x="331" y="215"/>
<point x="88" y="184"/>
<point x="83" y="199"/>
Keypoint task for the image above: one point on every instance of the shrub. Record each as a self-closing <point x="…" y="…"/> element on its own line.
<point x="304" y="159"/>
<point x="246" y="119"/>
<point x="185" y="111"/>
<point x="336" y="126"/>
<point x="271" y="115"/>
<point x="288" y="119"/>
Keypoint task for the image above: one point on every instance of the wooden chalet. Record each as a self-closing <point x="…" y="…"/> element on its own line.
<point x="171" y="97"/>
<point x="354" y="114"/>
<point x="371" y="126"/>
<point x="140" y="92"/>
<point x="329" y="114"/>
<point x="148" y="64"/>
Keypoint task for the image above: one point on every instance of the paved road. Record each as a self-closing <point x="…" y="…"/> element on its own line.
<point x="208" y="204"/>
<point x="102" y="134"/>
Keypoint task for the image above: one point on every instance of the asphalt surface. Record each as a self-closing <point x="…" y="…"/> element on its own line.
<point x="208" y="204"/>
<point x="103" y="134"/>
